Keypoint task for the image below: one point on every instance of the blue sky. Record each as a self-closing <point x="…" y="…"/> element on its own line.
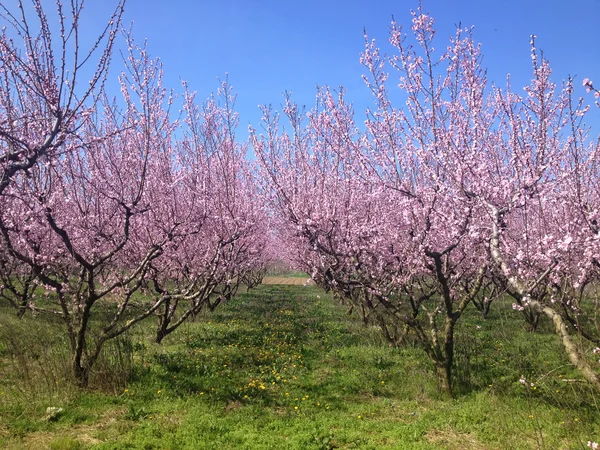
<point x="269" y="46"/>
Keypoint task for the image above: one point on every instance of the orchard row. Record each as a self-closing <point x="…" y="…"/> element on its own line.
<point x="456" y="195"/>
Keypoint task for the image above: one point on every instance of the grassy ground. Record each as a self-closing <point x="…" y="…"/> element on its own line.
<point x="283" y="367"/>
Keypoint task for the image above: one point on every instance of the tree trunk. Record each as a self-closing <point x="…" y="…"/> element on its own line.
<point x="21" y="310"/>
<point x="573" y="351"/>
<point x="532" y="317"/>
<point x="444" y="378"/>
<point x="161" y="332"/>
<point x="445" y="370"/>
<point x="81" y="370"/>
<point x="80" y="373"/>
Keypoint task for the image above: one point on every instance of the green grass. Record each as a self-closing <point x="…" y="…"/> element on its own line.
<point x="283" y="367"/>
<point x="287" y="274"/>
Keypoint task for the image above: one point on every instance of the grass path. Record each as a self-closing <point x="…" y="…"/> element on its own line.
<point x="283" y="367"/>
<point x="288" y="281"/>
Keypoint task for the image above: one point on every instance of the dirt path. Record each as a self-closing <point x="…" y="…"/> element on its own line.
<point x="288" y="280"/>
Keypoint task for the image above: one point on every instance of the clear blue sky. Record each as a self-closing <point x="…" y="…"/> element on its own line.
<point x="269" y="46"/>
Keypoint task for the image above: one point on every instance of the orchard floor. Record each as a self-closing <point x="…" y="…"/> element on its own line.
<point x="284" y="367"/>
<point x="288" y="281"/>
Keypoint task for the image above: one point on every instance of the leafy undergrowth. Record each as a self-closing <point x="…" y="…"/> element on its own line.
<point x="283" y="367"/>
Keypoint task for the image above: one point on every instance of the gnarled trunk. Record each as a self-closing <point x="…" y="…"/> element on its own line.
<point x="574" y="353"/>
